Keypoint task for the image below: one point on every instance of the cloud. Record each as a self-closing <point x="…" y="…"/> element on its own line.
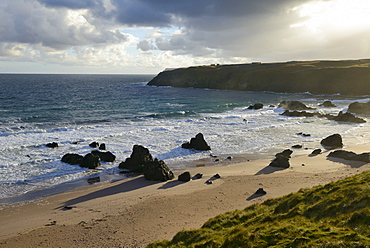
<point x="73" y="32"/>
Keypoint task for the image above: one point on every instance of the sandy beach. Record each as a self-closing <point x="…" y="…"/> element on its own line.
<point x="135" y="212"/>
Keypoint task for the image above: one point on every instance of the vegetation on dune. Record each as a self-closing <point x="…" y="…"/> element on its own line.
<point x="347" y="77"/>
<point x="334" y="215"/>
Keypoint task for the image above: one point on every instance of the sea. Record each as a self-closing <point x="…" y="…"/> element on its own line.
<point x="122" y="110"/>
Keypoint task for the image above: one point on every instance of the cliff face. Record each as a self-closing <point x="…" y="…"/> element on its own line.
<point x="350" y="77"/>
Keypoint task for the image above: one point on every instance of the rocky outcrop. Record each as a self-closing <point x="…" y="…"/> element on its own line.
<point x="184" y="177"/>
<point x="197" y="143"/>
<point x="94" y="144"/>
<point x="341" y="117"/>
<point x="294" y="105"/>
<point x="327" y="104"/>
<point x="333" y="141"/>
<point x="256" y="106"/>
<point x="105" y="156"/>
<point x="90" y="160"/>
<point x="282" y="159"/>
<point x="136" y="162"/>
<point x="157" y="170"/>
<point x="359" y="108"/>
<point x="346" y="77"/>
<point x="363" y="157"/>
<point x="52" y="145"/>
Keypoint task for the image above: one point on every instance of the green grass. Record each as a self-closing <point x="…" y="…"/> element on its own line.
<point x="334" y="215"/>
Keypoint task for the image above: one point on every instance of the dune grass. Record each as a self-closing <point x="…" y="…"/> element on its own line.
<point x="334" y="215"/>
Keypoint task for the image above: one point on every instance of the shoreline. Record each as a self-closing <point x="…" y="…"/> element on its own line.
<point x="134" y="212"/>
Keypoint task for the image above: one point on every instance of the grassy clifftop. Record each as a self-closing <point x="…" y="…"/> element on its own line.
<point x="347" y="77"/>
<point x="334" y="215"/>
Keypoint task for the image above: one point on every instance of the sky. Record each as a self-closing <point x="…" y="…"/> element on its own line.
<point x="148" y="36"/>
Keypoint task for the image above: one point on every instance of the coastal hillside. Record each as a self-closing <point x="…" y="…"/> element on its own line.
<point x="334" y="215"/>
<point x="346" y="77"/>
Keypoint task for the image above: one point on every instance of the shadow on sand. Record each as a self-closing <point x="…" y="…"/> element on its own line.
<point x="269" y="170"/>
<point x="351" y="163"/>
<point x="125" y="186"/>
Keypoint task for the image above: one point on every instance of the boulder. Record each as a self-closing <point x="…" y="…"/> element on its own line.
<point x="297" y="146"/>
<point x="286" y="153"/>
<point x="282" y="159"/>
<point x="348" y="117"/>
<point x="281" y="162"/>
<point x="72" y="158"/>
<point x="256" y="106"/>
<point x="157" y="170"/>
<point x="299" y="113"/>
<point x="316" y="152"/>
<point x="102" y="146"/>
<point x="363" y="157"/>
<point x="260" y="191"/>
<point x="327" y="104"/>
<point x="90" y="161"/>
<point x="94" y="144"/>
<point x="184" y="177"/>
<point x="293" y="105"/>
<point x="52" y="145"/>
<point x="332" y="141"/>
<point x="139" y="157"/>
<point x="197" y="143"/>
<point x="104" y="156"/>
<point x="359" y="108"/>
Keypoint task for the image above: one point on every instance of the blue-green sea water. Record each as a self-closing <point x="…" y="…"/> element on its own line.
<point x="121" y="111"/>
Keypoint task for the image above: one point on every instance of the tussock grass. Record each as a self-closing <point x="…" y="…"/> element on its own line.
<point x="333" y="215"/>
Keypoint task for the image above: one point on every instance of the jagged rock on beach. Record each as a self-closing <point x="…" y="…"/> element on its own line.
<point x="157" y="170"/>
<point x="286" y="153"/>
<point x="363" y="157"/>
<point x="282" y="159"/>
<point x="184" y="177"/>
<point x="136" y="162"/>
<point x="198" y="176"/>
<point x="197" y="143"/>
<point x="333" y="141"/>
<point x="260" y="191"/>
<point x="346" y="117"/>
<point x="297" y="146"/>
<point x="316" y="152"/>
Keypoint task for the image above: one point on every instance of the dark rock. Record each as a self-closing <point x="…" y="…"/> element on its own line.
<point x="306" y="134"/>
<point x="229" y="158"/>
<point x="316" y="152"/>
<point x="93" y="180"/>
<point x="209" y="182"/>
<point x="327" y="104"/>
<point x="332" y="141"/>
<point x="260" y="191"/>
<point x="104" y="156"/>
<point x="157" y="170"/>
<point x="347" y="117"/>
<point x="197" y="143"/>
<point x="94" y="144"/>
<point x="256" y="106"/>
<point x="72" y="158"/>
<point x="184" y="177"/>
<point x="217" y="176"/>
<point x="363" y="157"/>
<point x="281" y="162"/>
<point x="299" y="113"/>
<point x="297" y="146"/>
<point x="359" y="108"/>
<point x="102" y="146"/>
<point x="90" y="161"/>
<point x="52" y="145"/>
<point x="286" y="153"/>
<point x="293" y="105"/>
<point x="198" y="176"/>
<point x="135" y="163"/>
